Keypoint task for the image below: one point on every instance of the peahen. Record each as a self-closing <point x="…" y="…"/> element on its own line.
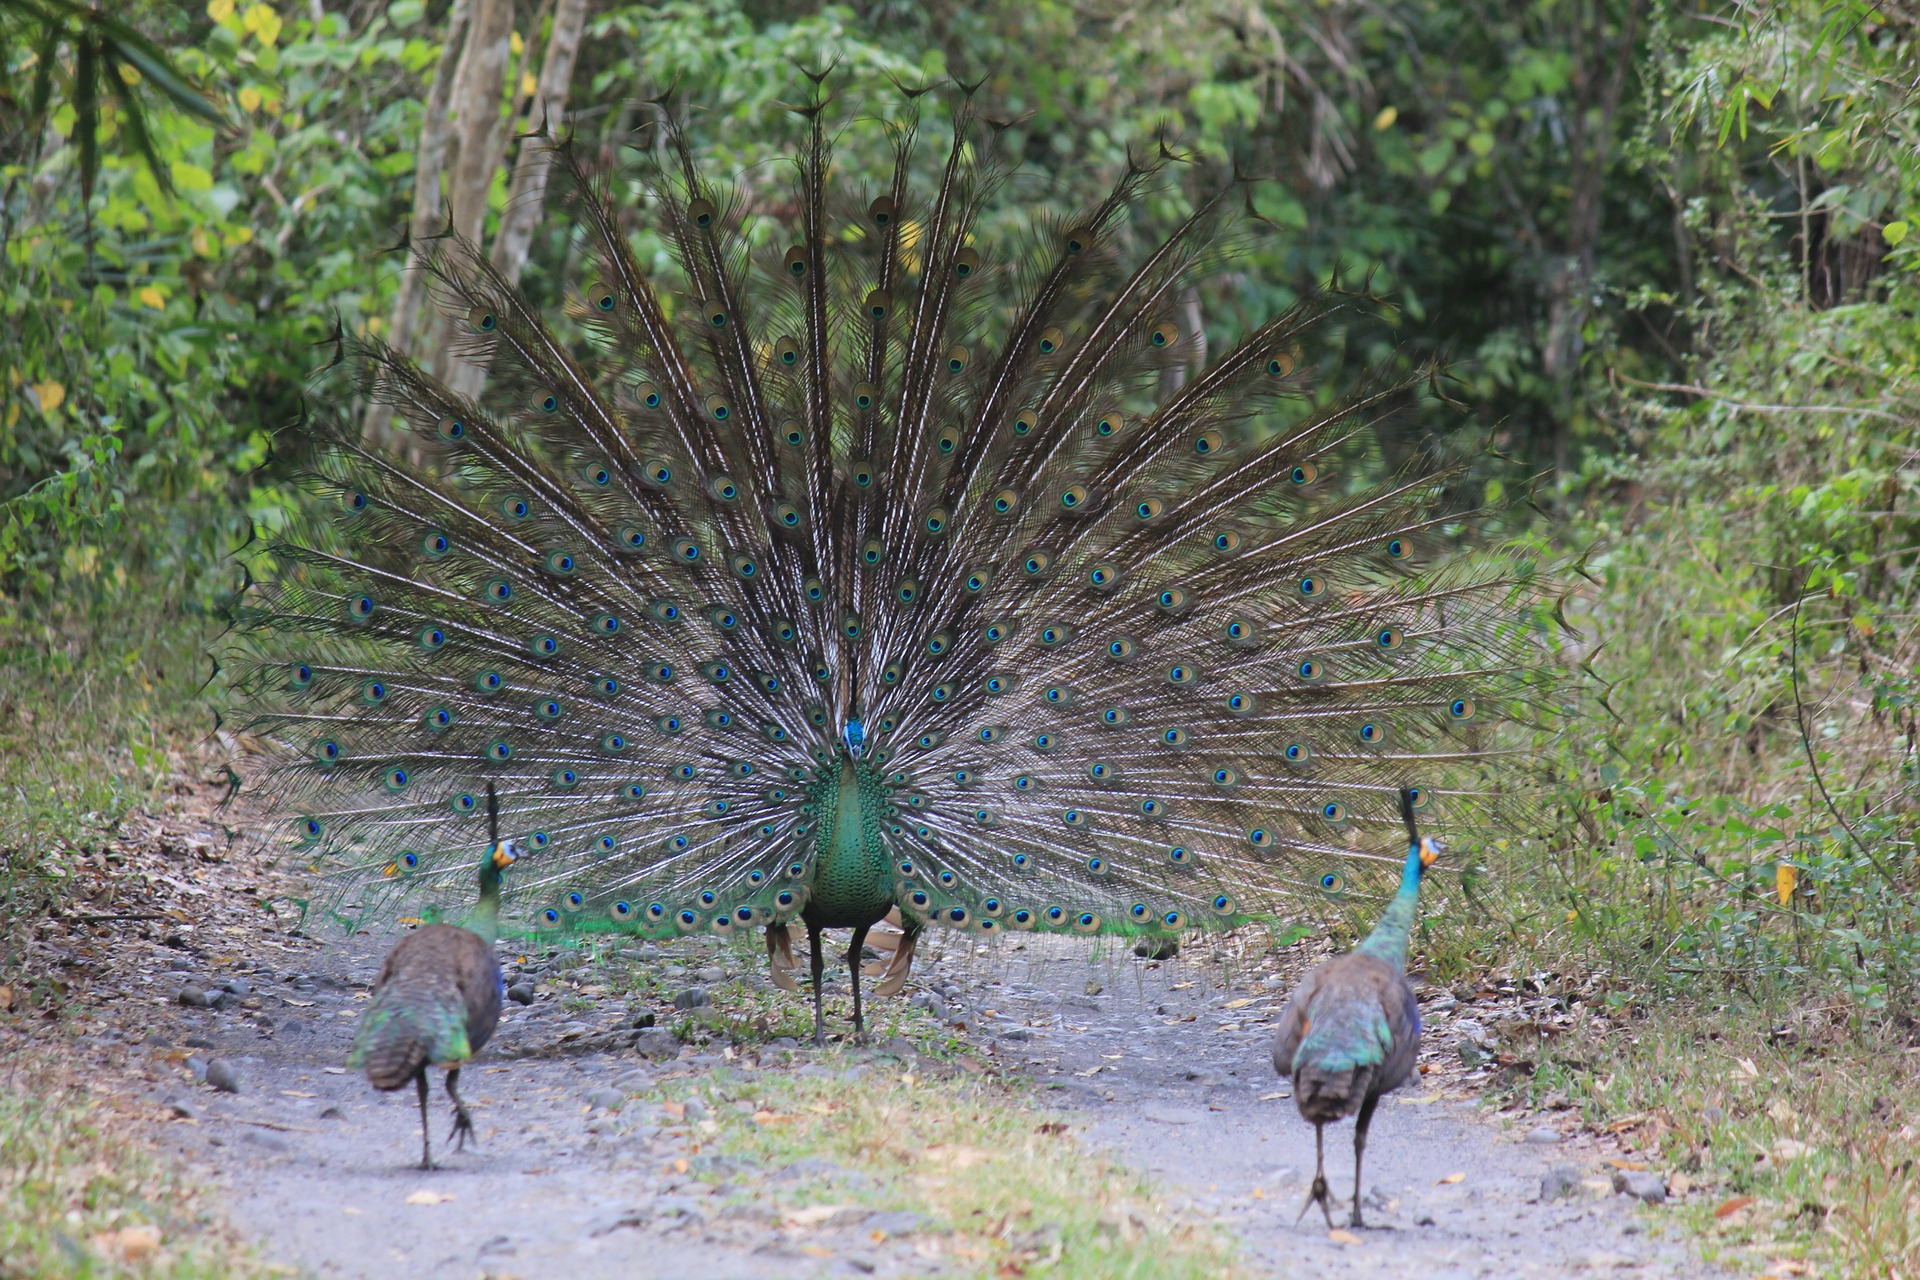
<point x="437" y="999"/>
<point x="1351" y="1031"/>
<point x="831" y="552"/>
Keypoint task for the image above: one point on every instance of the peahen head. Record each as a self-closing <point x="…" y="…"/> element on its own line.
<point x="1422" y="851"/>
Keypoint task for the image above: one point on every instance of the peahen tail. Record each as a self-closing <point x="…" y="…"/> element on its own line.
<point x="832" y="543"/>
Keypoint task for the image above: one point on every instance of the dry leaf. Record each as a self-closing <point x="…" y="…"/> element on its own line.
<point x="129" y="1244"/>
<point x="1679" y="1184"/>
<point x="1238" y="1004"/>
<point x="1274" y="1097"/>
<point x="1733" y="1206"/>
<point x="429" y="1197"/>
<point x="816" y="1251"/>
<point x="768" y="1117"/>
<point x="1630" y="1166"/>
<point x="1345" y="1237"/>
<point x="1450" y="1179"/>
<point x="1790" y="1149"/>
<point x="813" y="1215"/>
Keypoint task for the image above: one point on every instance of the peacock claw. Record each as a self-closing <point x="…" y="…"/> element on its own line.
<point x="1321" y="1196"/>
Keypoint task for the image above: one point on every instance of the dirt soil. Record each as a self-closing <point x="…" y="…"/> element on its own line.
<point x="580" y="1172"/>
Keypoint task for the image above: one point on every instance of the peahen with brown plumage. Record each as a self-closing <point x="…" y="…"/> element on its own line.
<point x="1351" y="1031"/>
<point x="835" y="551"/>
<point x="437" y="999"/>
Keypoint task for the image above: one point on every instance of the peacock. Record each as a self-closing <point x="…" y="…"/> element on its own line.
<point x="437" y="999"/>
<point x="837" y="549"/>
<point x="1351" y="1031"/>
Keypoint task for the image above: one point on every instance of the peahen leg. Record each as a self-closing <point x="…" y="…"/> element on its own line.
<point x="895" y="976"/>
<point x="462" y="1122"/>
<point x="426" y="1143"/>
<point x="853" y="967"/>
<point x="1318" y="1195"/>
<point x="1360" y="1149"/>
<point x="780" y="957"/>
<point x="819" y="998"/>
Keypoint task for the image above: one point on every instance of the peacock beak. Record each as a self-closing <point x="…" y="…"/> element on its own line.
<point x="1430" y="851"/>
<point x="504" y="855"/>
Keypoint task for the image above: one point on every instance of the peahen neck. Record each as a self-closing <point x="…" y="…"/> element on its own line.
<point x="1388" y="941"/>
<point x="484" y="919"/>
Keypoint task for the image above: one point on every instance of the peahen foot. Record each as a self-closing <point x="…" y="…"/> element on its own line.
<point x="1320" y="1196"/>
<point x="462" y="1131"/>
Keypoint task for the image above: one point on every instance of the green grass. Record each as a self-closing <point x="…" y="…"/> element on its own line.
<point x="82" y="1193"/>
<point x="1005" y="1187"/>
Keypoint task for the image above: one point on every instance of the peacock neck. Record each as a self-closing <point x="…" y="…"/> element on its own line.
<point x="1388" y="941"/>
<point x="484" y="919"/>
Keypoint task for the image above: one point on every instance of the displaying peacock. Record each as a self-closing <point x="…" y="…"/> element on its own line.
<point x="437" y="999"/>
<point x="839" y="556"/>
<point x="1351" y="1031"/>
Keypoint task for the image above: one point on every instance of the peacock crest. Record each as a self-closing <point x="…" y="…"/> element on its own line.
<point x="843" y="557"/>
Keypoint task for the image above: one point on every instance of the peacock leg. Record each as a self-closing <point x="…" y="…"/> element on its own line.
<point x="780" y="957"/>
<point x="1360" y="1149"/>
<point x="426" y="1143"/>
<point x="1318" y="1195"/>
<point x="853" y="967"/>
<point x="895" y="976"/>
<point x="819" y="998"/>
<point x="462" y="1122"/>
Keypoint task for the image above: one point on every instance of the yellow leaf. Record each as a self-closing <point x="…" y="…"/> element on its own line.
<point x="219" y="10"/>
<point x="152" y="297"/>
<point x="1450" y="1179"/>
<point x="203" y="242"/>
<point x="1785" y="876"/>
<point x="429" y="1197"/>
<point x="1237" y="1004"/>
<point x="1385" y="119"/>
<point x="52" y="395"/>
<point x="515" y="43"/>
<point x="250" y="99"/>
<point x="528" y="84"/>
<point x="1342" y="1237"/>
<point x="129" y="75"/>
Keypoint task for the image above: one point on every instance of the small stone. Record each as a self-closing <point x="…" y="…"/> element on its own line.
<point x="1272" y="982"/>
<point x="265" y="1140"/>
<point x="158" y="1039"/>
<point x="1651" y="1188"/>
<point x="1016" y="1033"/>
<point x="198" y="1042"/>
<point x="897" y="1222"/>
<point x="180" y="1107"/>
<point x="1154" y="949"/>
<point x="1561" y="1182"/>
<point x="712" y="975"/>
<point x="237" y="986"/>
<point x="1171" y="1115"/>
<point x="1423" y="1219"/>
<point x="1445" y="1002"/>
<point x="198" y="1066"/>
<point x="521" y="993"/>
<point x="633" y="1081"/>
<point x="697" y="1110"/>
<point x="923" y="1000"/>
<point x="692" y="998"/>
<point x="639" y="1021"/>
<point x="788" y="1042"/>
<point x="656" y="1042"/>
<point x="333" y="1113"/>
<point x="180" y="964"/>
<point x="223" y="1075"/>
<point x="1542" y="1137"/>
<point x="606" y="1099"/>
<point x="200" y="998"/>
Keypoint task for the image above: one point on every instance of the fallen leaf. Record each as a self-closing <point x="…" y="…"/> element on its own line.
<point x="1343" y="1237"/>
<point x="813" y="1215"/>
<point x="429" y="1197"/>
<point x="295" y="1093"/>
<point x="334" y="1071"/>
<point x="1790" y="1149"/>
<point x="1450" y="1179"/>
<point x="1274" y="1097"/>
<point x="1730" y="1207"/>
<point x="1679" y="1184"/>
<point x="129" y="1244"/>
<point x="768" y="1117"/>
<point x="816" y="1250"/>
<point x="675" y="1109"/>
<point x="1052" y="1128"/>
<point x="1630" y="1166"/>
<point x="1238" y="1004"/>
<point x="681" y="1166"/>
<point x="350" y="1211"/>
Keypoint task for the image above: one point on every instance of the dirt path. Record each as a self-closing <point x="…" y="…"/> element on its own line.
<point x="582" y="1173"/>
